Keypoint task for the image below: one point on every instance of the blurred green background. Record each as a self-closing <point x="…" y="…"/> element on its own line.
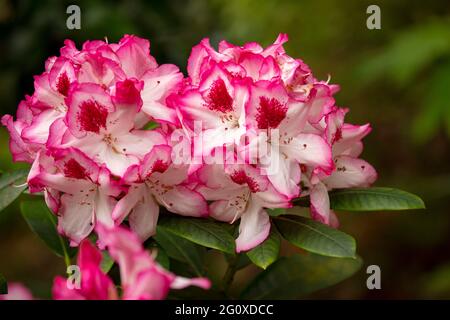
<point x="396" y="78"/>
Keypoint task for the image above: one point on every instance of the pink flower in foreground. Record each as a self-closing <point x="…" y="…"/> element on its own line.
<point x="17" y="291"/>
<point x="141" y="277"/>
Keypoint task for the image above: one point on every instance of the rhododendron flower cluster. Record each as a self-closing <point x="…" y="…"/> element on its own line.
<point x="258" y="130"/>
<point x="141" y="277"/>
<point x="283" y="134"/>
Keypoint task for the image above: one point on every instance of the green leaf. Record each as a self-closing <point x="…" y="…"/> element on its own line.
<point x="374" y="199"/>
<point x="204" y="232"/>
<point x="162" y="258"/>
<point x="276" y="212"/>
<point x="316" y="237"/>
<point x="3" y="285"/>
<point x="11" y="186"/>
<point x="180" y="249"/>
<point x="43" y="223"/>
<point x="302" y="202"/>
<point x="267" y="252"/>
<point x="107" y="262"/>
<point x="242" y="260"/>
<point x="151" y="125"/>
<point x="299" y="275"/>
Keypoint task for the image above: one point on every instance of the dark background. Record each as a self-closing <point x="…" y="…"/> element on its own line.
<point x="396" y="78"/>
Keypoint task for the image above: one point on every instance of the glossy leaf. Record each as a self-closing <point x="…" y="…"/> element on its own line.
<point x="180" y="249"/>
<point x="12" y="184"/>
<point x="43" y="223"/>
<point x="374" y="199"/>
<point x="162" y="258"/>
<point x="316" y="237"/>
<point x="267" y="252"/>
<point x="207" y="233"/>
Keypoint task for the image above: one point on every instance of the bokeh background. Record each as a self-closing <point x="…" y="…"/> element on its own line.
<point x="396" y="78"/>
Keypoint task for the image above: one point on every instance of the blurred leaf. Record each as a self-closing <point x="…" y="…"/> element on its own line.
<point x="11" y="186"/>
<point x="43" y="223"/>
<point x="299" y="275"/>
<point x="435" y="106"/>
<point x="374" y="199"/>
<point x="316" y="237"/>
<point x="3" y="285"/>
<point x="267" y="252"/>
<point x="162" y="258"/>
<point x="180" y="249"/>
<point x="436" y="283"/>
<point x="276" y="212"/>
<point x="242" y="260"/>
<point x="151" y="125"/>
<point x="107" y="262"/>
<point x="409" y="52"/>
<point x="204" y="232"/>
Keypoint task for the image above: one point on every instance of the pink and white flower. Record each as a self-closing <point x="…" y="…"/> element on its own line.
<point x="349" y="171"/>
<point x="154" y="182"/>
<point x="241" y="192"/>
<point x="83" y="194"/>
<point x="141" y="277"/>
<point x="102" y="126"/>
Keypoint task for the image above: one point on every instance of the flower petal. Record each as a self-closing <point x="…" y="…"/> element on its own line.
<point x="254" y="227"/>
<point x="309" y="149"/>
<point x="351" y="172"/>
<point x="320" y="203"/>
<point x="144" y="217"/>
<point x="184" y="201"/>
<point x="76" y="217"/>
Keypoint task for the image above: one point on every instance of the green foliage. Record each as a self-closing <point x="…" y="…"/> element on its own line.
<point x="276" y="212"/>
<point x="374" y="199"/>
<point x="418" y="57"/>
<point x="151" y="125"/>
<point x="409" y="52"/>
<point x="267" y="252"/>
<point x="43" y="224"/>
<point x="162" y="258"/>
<point x="316" y="237"/>
<point x="240" y="261"/>
<point x="107" y="262"/>
<point x="204" y="232"/>
<point x="11" y="186"/>
<point x="180" y="249"/>
<point x="299" y="275"/>
<point x="369" y="199"/>
<point x="435" y="110"/>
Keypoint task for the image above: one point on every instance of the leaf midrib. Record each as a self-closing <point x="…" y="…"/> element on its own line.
<point x="224" y="244"/>
<point x="320" y="232"/>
